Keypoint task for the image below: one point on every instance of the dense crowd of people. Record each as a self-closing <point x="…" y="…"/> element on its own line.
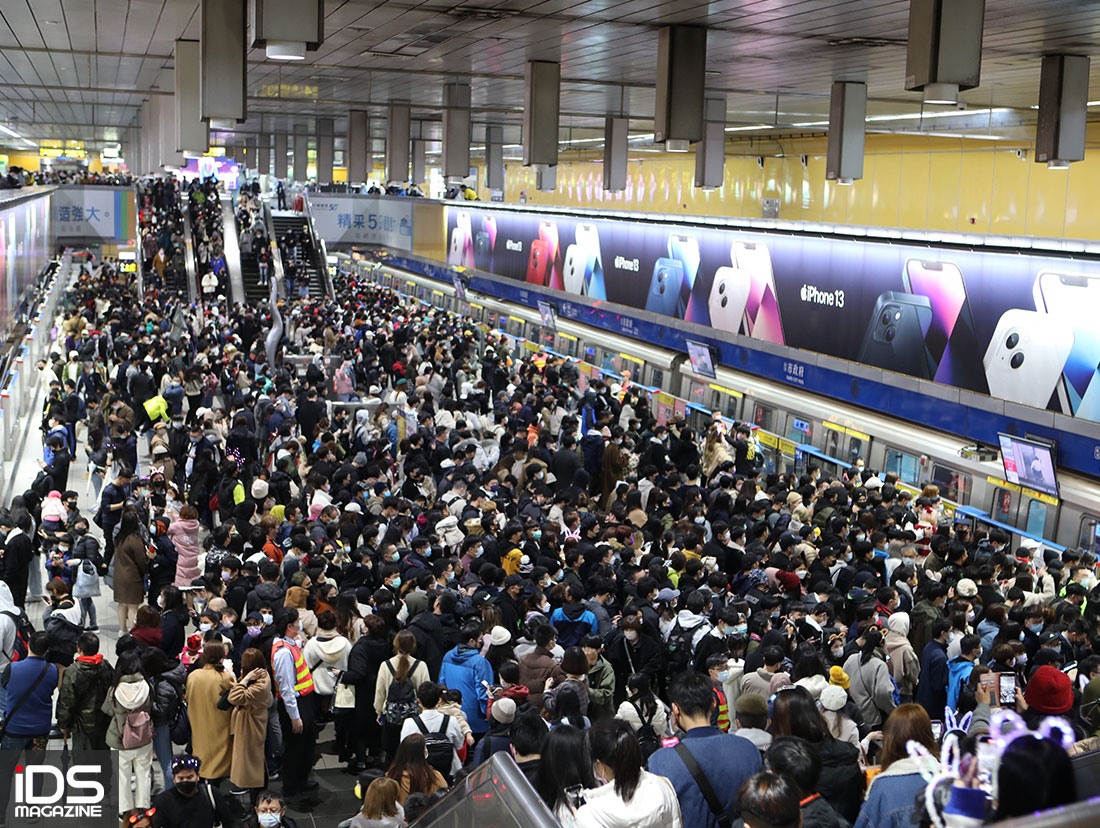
<point x="445" y="550"/>
<point x="204" y="203"/>
<point x="253" y="239"/>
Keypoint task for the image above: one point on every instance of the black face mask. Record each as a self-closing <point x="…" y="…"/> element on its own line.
<point x="188" y="787"/>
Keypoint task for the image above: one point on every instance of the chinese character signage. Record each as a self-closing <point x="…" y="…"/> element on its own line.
<point x="347" y="218"/>
<point x="94" y="212"/>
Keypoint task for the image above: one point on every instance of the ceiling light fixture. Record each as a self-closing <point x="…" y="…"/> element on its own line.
<point x="941" y="93"/>
<point x="1057" y="164"/>
<point x="677" y="145"/>
<point x="286" y="50"/>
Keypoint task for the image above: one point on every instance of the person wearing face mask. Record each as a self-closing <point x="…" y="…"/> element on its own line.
<point x="631" y="649"/>
<point x="190" y="802"/>
<point x="270" y="812"/>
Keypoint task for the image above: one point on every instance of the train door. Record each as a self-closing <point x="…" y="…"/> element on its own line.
<point x="1089" y="534"/>
<point x="905" y="466"/>
<point x="799" y="430"/>
<point x="845" y="446"/>
<point x="567" y="344"/>
<point x="954" y="484"/>
<point x="1004" y="505"/>
<point x="1038" y="517"/>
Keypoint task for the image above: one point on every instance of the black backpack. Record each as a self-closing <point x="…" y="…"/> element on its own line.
<point x="440" y="750"/>
<point x="24" y="629"/>
<point x="648" y="740"/>
<point x="678" y="648"/>
<point x="401" y="698"/>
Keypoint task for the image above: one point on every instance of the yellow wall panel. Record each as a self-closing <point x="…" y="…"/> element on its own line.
<point x="1046" y="201"/>
<point x="1082" y="218"/>
<point x="1009" y="201"/>
<point x="945" y="170"/>
<point x="886" y="189"/>
<point x="915" y="184"/>
<point x="920" y="182"/>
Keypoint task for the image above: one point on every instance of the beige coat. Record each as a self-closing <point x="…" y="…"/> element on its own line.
<point x="250" y="698"/>
<point x="211" y="739"/>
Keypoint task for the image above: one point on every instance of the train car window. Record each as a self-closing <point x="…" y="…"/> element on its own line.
<point x="610" y="362"/>
<point x="1037" y="518"/>
<point x="903" y="465"/>
<point x="533" y="331"/>
<point x="697" y="392"/>
<point x="764" y="417"/>
<point x="732" y="406"/>
<point x="589" y="354"/>
<point x="1090" y="533"/>
<point x="954" y="485"/>
<point x="567" y="346"/>
<point x="547" y="338"/>
<point x="799" y="429"/>
<point x="656" y="378"/>
<point x="1002" y="505"/>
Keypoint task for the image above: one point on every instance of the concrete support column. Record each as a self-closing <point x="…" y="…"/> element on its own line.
<point x="326" y="150"/>
<point x="357" y="155"/>
<point x="223" y="53"/>
<point x="419" y="161"/>
<point x="166" y="115"/>
<point x="250" y="152"/>
<point x="541" y="105"/>
<point x="192" y="134"/>
<point x="263" y="155"/>
<point x="281" y="159"/>
<point x="615" y="153"/>
<point x="301" y="154"/>
<point x="456" y="131"/>
<point x="681" y="76"/>
<point x="397" y="143"/>
<point x="494" y="157"/>
<point x="847" y="130"/>
<point x="710" y="153"/>
<point x="1063" y="110"/>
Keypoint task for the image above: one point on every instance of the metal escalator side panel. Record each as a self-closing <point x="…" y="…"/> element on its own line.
<point x="231" y="250"/>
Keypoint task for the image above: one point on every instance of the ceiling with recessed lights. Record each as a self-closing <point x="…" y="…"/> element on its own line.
<point x="79" y="69"/>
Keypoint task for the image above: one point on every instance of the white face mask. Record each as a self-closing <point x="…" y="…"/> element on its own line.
<point x="631" y="635"/>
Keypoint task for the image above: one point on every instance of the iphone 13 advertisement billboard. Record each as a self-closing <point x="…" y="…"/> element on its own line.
<point x="1017" y="326"/>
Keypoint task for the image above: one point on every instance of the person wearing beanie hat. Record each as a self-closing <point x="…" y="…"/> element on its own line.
<point x="838" y="677"/>
<point x="1049" y="691"/>
<point x="259" y="489"/>
<point x="750" y="720"/>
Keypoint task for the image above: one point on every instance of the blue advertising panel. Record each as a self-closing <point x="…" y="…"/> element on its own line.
<point x="1016" y="326"/>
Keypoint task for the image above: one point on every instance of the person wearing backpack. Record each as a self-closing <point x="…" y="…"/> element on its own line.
<point x="130" y="706"/>
<point x="11" y="618"/>
<point x="688" y="630"/>
<point x="30" y="683"/>
<point x="395" y="689"/>
<point x="466" y="670"/>
<point x="645" y="713"/>
<point x="84" y="687"/>
<point x="442" y="733"/>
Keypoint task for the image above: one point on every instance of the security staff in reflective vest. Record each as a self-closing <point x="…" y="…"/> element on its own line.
<point x="297" y="709"/>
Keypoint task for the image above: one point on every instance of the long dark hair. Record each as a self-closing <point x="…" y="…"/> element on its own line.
<point x="564" y="763"/>
<point x="614" y="743"/>
<point x="129" y="525"/>
<point x="412" y="758"/>
<point x="872" y="640"/>
<point x="795" y="713"/>
<point x="647" y="703"/>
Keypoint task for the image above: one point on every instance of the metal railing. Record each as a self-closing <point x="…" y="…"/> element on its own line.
<point x="232" y="251"/>
<point x="277" y="274"/>
<point x="320" y="250"/>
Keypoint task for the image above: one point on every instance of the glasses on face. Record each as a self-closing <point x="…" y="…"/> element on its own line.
<point x="133" y="819"/>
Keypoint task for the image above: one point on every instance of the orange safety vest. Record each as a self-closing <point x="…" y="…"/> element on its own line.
<point x="303" y="681"/>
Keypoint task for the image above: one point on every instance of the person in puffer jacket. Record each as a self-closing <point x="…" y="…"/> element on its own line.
<point x="84" y="686"/>
<point x="326" y="654"/>
<point x="466" y="670"/>
<point x="169" y="677"/>
<point x="130" y="697"/>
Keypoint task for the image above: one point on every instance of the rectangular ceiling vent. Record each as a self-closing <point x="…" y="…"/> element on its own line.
<point x="869" y="42"/>
<point x="480" y="13"/>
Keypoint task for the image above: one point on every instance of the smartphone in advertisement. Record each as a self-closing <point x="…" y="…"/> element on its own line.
<point x="1026" y="356"/>
<point x="762" y="319"/>
<point x="950" y="340"/>
<point x="937" y="730"/>
<point x="588" y="239"/>
<point x="574" y="269"/>
<point x="729" y="293"/>
<point x="538" y="263"/>
<point x="461" y="251"/>
<point x="895" y="335"/>
<point x="483" y="251"/>
<point x="685" y="249"/>
<point x="664" y="288"/>
<point x="1074" y="302"/>
<point x="1006" y="688"/>
<point x="548" y="234"/>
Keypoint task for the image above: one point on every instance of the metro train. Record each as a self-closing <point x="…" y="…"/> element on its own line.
<point x="795" y="428"/>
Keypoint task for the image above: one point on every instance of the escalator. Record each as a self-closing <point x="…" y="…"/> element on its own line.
<point x="299" y="255"/>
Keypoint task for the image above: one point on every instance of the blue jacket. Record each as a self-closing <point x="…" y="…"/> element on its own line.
<point x="988" y="631"/>
<point x="464" y="669"/>
<point x="932" y="685"/>
<point x="35" y="715"/>
<point x="727" y="761"/>
<point x="958" y="671"/>
<point x="892" y="799"/>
